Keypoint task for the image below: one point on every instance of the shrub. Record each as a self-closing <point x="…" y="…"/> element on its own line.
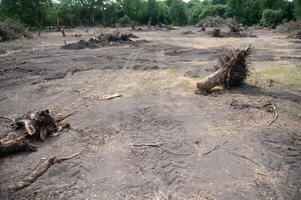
<point x="212" y="22"/>
<point x="271" y="17"/>
<point x="10" y="30"/>
<point x="124" y="21"/>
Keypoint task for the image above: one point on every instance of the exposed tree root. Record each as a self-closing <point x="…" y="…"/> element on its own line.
<point x="34" y="125"/>
<point x="7" y="149"/>
<point x="268" y="107"/>
<point x="232" y="71"/>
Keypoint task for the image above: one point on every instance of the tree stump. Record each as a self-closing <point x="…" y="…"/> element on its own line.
<point x="232" y="71"/>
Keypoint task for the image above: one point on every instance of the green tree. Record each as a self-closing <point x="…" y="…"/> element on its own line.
<point x="31" y="12"/>
<point x="271" y="17"/>
<point x="297" y="10"/>
<point x="153" y="11"/>
<point x="177" y="13"/>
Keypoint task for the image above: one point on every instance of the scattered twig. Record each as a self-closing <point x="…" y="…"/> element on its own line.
<point x="110" y="96"/>
<point x="275" y="115"/>
<point x="268" y="107"/>
<point x="208" y="152"/>
<point x="39" y="171"/>
<point x="156" y="144"/>
<point x="242" y="156"/>
<point x="62" y="118"/>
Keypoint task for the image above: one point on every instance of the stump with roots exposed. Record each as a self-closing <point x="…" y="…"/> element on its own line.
<point x="216" y="32"/>
<point x="232" y="71"/>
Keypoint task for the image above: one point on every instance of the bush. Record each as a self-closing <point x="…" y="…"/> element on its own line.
<point x="124" y="21"/>
<point x="10" y="30"/>
<point x="200" y="12"/>
<point x="212" y="22"/>
<point x="271" y="17"/>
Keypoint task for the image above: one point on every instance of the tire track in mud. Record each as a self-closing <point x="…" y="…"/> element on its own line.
<point x="168" y="163"/>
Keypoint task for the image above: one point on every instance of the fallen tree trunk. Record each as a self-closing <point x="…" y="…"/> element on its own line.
<point x="232" y="71"/>
<point x="39" y="171"/>
<point x="7" y="149"/>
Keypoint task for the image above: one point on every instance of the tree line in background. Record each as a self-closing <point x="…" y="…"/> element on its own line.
<point x="41" y="13"/>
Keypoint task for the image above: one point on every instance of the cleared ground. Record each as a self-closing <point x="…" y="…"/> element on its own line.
<point x="208" y="150"/>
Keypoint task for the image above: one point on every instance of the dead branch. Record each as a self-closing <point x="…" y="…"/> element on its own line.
<point x="268" y="107"/>
<point x="213" y="149"/>
<point x="62" y="118"/>
<point x="63" y="32"/>
<point x="110" y="96"/>
<point x="39" y="171"/>
<point x="242" y="156"/>
<point x="275" y="115"/>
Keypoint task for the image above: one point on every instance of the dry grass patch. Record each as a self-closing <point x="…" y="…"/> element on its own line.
<point x="284" y="72"/>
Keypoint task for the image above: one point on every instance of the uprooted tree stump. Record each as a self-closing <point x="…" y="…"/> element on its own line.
<point x="216" y="32"/>
<point x="232" y="71"/>
<point x="38" y="124"/>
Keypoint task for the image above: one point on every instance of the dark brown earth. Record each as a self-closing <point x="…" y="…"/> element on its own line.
<point x="208" y="150"/>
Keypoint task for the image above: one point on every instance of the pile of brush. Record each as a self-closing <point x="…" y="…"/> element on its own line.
<point x="232" y="71"/>
<point x="11" y="30"/>
<point x="35" y="125"/>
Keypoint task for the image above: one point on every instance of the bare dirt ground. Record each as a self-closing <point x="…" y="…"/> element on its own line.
<point x="208" y="150"/>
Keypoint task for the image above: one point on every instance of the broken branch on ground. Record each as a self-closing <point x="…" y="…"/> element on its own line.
<point x="39" y="171"/>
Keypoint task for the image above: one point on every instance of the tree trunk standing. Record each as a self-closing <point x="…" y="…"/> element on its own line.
<point x="103" y="15"/>
<point x="149" y="23"/>
<point x="40" y="29"/>
<point x="92" y="19"/>
<point x="58" y="22"/>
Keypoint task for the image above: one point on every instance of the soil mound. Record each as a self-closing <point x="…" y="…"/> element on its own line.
<point x="107" y="39"/>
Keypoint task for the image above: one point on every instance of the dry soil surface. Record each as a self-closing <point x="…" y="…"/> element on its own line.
<point x="207" y="150"/>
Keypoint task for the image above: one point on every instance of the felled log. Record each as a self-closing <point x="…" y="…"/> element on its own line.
<point x="39" y="171"/>
<point x="11" y="148"/>
<point x="232" y="71"/>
